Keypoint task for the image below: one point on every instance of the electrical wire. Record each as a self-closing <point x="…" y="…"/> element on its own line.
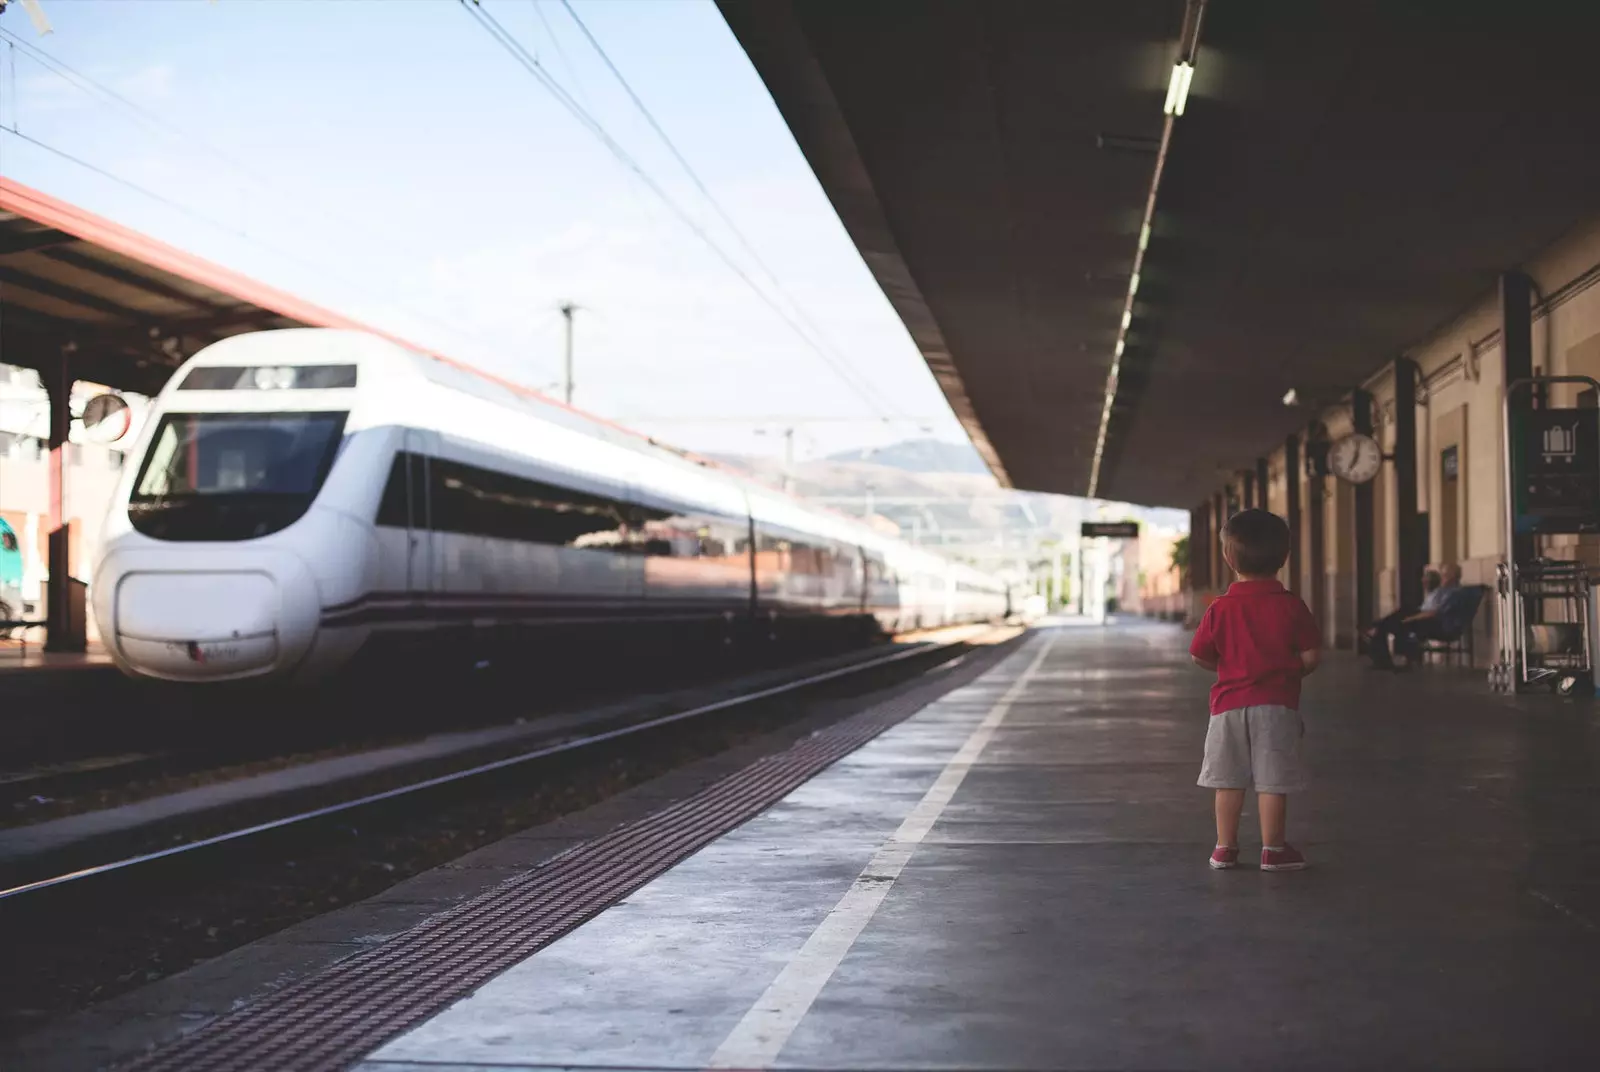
<point x="860" y="384"/>
<point x="530" y="63"/>
<point x="711" y="198"/>
<point x="298" y="203"/>
<point x="561" y="53"/>
<point x="145" y="191"/>
<point x="212" y="221"/>
<point x="153" y="121"/>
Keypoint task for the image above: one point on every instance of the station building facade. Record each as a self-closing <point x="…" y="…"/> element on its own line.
<point x="1436" y="412"/>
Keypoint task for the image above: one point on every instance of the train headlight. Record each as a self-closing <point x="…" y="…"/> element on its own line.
<point x="269" y="378"/>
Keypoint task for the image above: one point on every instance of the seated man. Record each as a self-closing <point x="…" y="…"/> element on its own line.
<point x="1430" y="584"/>
<point x="1409" y="628"/>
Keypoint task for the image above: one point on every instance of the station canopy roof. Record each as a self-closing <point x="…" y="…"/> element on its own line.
<point x="130" y="308"/>
<point x="1345" y="180"/>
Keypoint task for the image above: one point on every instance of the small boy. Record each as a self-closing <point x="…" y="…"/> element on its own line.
<point x="1260" y="640"/>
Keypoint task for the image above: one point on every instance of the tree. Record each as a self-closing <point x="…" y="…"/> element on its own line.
<point x="1180" y="559"/>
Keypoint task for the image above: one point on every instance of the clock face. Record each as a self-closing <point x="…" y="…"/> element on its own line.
<point x="1356" y="458"/>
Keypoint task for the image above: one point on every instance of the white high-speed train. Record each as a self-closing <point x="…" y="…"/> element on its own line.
<point x="304" y="497"/>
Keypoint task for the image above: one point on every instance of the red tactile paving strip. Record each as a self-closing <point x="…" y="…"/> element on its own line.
<point x="331" y="1020"/>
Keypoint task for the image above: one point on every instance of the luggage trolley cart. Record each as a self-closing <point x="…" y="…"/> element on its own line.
<point x="1552" y="467"/>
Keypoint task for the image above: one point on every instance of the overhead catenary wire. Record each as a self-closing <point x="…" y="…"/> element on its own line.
<point x="561" y="53"/>
<point x="297" y="202"/>
<point x="510" y="43"/>
<point x="530" y="63"/>
<point x="201" y="217"/>
<point x="711" y="199"/>
<point x="150" y="120"/>
<point x="144" y="191"/>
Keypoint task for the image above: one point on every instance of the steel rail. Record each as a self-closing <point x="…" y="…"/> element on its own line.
<point x="576" y="744"/>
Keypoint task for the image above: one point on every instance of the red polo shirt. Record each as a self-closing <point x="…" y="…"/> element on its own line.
<point x="1255" y="633"/>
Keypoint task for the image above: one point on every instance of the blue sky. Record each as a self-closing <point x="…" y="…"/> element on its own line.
<point x="400" y="167"/>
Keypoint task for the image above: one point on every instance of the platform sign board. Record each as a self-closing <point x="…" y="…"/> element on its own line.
<point x="1111" y="530"/>
<point x="1558" y="470"/>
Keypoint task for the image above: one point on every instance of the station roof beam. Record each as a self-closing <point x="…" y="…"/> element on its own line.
<point x="1343" y="179"/>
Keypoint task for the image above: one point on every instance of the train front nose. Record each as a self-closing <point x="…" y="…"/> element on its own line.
<point x="210" y="625"/>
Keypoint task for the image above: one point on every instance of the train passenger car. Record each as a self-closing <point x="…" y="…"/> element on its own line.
<point x="305" y="493"/>
<point x="978" y="596"/>
<point x="810" y="570"/>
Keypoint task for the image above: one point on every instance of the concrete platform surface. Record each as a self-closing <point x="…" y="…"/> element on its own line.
<point x="17" y="657"/>
<point x="1016" y="878"/>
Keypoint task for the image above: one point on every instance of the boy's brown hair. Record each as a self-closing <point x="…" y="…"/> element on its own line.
<point x="1257" y="542"/>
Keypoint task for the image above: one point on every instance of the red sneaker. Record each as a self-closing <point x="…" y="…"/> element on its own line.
<point x="1224" y="857"/>
<point x="1287" y="858"/>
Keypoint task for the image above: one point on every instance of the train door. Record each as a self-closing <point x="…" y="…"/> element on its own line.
<point x="420" y="566"/>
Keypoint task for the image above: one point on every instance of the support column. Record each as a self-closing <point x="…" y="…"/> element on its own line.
<point x="1219" y="511"/>
<point x="1263" y="485"/>
<point x="1516" y="348"/>
<point x="1361" y="419"/>
<point x="1317" y="515"/>
<point x="1199" y="543"/>
<point x="1291" y="476"/>
<point x="1411" y="540"/>
<point x="65" y="629"/>
<point x="1080" y="577"/>
<point x="1248" y="498"/>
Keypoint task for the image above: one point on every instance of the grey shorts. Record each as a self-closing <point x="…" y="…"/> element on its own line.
<point x="1257" y="746"/>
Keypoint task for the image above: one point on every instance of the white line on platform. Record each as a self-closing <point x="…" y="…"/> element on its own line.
<point x="760" y="1036"/>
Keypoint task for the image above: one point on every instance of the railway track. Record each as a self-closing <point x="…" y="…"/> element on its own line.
<point x="88" y="931"/>
<point x="137" y="742"/>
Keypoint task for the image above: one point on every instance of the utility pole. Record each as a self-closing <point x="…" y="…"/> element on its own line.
<point x="788" y="459"/>
<point x="567" y="309"/>
<point x="788" y="456"/>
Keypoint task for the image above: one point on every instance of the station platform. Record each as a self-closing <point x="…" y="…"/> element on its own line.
<point x="32" y="658"/>
<point x="1015" y="877"/>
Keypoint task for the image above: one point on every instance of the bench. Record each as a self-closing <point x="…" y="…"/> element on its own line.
<point x="1456" y="645"/>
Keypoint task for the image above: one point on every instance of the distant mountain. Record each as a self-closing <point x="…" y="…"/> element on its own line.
<point x="919" y="456"/>
<point x="941" y="496"/>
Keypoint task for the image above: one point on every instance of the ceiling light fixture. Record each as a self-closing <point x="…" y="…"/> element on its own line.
<point x="1291" y="397"/>
<point x="1177" y="100"/>
<point x="1178" y="89"/>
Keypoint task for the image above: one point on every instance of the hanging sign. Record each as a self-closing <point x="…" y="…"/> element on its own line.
<point x="1112" y="530"/>
<point x="1558" y="470"/>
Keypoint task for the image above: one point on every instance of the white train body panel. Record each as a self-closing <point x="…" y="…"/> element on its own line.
<point x="279" y="521"/>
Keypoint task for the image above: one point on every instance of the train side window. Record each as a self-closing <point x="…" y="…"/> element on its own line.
<point x="651" y="531"/>
<point x="402" y="508"/>
<point x="392" y="508"/>
<point x="480" y="502"/>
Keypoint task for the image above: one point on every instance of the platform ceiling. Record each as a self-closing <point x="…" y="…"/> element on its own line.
<point x="1347" y="177"/>
<point x="125" y="308"/>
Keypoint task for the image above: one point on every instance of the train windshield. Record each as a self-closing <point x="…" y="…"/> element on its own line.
<point x="232" y="476"/>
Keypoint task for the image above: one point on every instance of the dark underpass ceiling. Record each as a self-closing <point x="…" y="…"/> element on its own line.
<point x="1346" y="178"/>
